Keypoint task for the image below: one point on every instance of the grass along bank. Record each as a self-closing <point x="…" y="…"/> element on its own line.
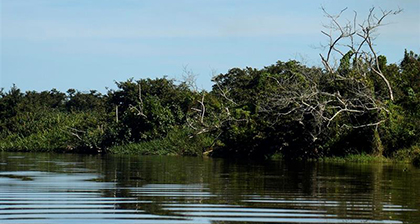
<point x="409" y="155"/>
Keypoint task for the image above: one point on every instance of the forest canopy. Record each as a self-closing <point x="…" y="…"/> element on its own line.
<point x="285" y="108"/>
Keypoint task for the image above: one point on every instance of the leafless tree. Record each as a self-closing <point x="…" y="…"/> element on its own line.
<point x="358" y="38"/>
<point x="314" y="93"/>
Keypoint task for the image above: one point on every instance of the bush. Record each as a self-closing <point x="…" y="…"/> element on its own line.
<point x="179" y="141"/>
<point x="55" y="131"/>
<point x="411" y="154"/>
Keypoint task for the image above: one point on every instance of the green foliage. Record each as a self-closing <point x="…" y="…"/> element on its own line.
<point x="345" y="65"/>
<point x="288" y="127"/>
<point x="78" y="101"/>
<point x="402" y="129"/>
<point x="55" y="131"/>
<point x="179" y="141"/>
<point x="356" y="158"/>
<point x="411" y="155"/>
<point x="285" y="109"/>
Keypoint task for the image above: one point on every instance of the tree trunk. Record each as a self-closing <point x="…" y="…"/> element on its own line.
<point x="378" y="148"/>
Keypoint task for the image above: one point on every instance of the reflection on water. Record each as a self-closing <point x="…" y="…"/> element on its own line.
<point x="61" y="188"/>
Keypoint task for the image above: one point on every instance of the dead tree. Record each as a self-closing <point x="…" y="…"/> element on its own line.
<point x="357" y="38"/>
<point x="316" y="94"/>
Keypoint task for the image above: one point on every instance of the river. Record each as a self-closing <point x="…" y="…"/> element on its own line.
<point x="70" y="188"/>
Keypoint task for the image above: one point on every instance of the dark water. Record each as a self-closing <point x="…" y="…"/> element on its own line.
<point x="62" y="188"/>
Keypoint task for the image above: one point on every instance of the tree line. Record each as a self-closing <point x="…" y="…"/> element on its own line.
<point x="285" y="108"/>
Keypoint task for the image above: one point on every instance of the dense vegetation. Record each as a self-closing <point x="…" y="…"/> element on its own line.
<point x="249" y="112"/>
<point x="357" y="104"/>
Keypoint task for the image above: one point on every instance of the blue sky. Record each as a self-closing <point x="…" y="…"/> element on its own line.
<point x="89" y="44"/>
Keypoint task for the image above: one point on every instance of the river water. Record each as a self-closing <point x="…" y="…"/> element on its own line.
<point x="68" y="188"/>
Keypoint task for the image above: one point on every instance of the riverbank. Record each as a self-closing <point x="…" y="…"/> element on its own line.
<point x="410" y="155"/>
<point x="178" y="145"/>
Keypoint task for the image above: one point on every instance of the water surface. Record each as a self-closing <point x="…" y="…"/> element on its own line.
<point x="65" y="188"/>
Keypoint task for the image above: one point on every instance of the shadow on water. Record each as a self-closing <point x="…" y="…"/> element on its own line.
<point x="64" y="188"/>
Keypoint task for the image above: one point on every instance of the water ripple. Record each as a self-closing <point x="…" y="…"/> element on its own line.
<point x="80" y="196"/>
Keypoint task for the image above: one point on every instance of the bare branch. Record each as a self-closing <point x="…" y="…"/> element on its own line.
<point x="359" y="38"/>
<point x="190" y="78"/>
